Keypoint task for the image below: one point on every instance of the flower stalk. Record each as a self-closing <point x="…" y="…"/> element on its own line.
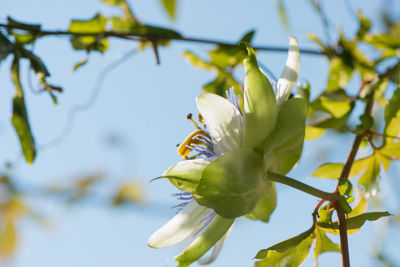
<point x="302" y="187"/>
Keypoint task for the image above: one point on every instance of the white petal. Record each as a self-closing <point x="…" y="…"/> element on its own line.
<point x="223" y="120"/>
<point x="180" y="226"/>
<point x="215" y="251"/>
<point x="289" y="74"/>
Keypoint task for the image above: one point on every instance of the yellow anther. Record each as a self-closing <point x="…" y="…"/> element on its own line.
<point x="201" y="118"/>
<point x="183" y="150"/>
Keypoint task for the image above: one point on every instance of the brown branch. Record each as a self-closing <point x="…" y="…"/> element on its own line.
<point x="344" y="244"/>
<point x="134" y="36"/>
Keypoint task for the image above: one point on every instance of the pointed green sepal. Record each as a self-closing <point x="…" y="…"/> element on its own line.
<point x="232" y="184"/>
<point x="260" y="109"/>
<point x="205" y="241"/>
<point x="284" y="145"/>
<point x="185" y="175"/>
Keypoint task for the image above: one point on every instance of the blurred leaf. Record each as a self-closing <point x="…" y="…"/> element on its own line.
<point x="333" y="170"/>
<point x="170" y="7"/>
<point x="370" y="179"/>
<point x="36" y="63"/>
<point x="361" y="204"/>
<point x="129" y="193"/>
<point x="80" y="64"/>
<point x="291" y="252"/>
<point x="355" y="223"/>
<point x="392" y="117"/>
<point x="339" y="74"/>
<point x="95" y="25"/>
<point x="365" y="25"/>
<point x="313" y="132"/>
<point x="22" y="38"/>
<point x="336" y="103"/>
<point x="8" y="239"/>
<point x="6" y="47"/>
<point x="282" y="14"/>
<point x="391" y="150"/>
<point x="197" y="62"/>
<point x="19" y="117"/>
<point x="323" y="244"/>
<point x="324" y="48"/>
<point x="114" y="2"/>
<point x="266" y="205"/>
<point x="366" y="123"/>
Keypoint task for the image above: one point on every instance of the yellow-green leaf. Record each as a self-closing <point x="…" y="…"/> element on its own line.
<point x="291" y="252"/>
<point x="333" y="170"/>
<point x="313" y="132"/>
<point x="323" y="244"/>
<point x="170" y="7"/>
<point x="19" y="117"/>
<point x="8" y="239"/>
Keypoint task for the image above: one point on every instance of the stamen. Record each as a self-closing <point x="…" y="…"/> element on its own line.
<point x="207" y="141"/>
<point x="233" y="98"/>
<point x="189" y="117"/>
<point x="205" y="151"/>
<point x="201" y="119"/>
<point x="183" y="149"/>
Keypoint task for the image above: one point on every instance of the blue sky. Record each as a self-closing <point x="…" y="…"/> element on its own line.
<point x="146" y="106"/>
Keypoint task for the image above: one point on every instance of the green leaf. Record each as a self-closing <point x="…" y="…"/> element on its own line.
<point x="170" y="8"/>
<point x="336" y="103"/>
<point x="391" y="150"/>
<point x="197" y="61"/>
<point x="333" y="170"/>
<point x="361" y="205"/>
<point x="356" y="222"/>
<point x="291" y="252"/>
<point x="266" y="205"/>
<point x="323" y="244"/>
<point x="229" y="56"/>
<point x="366" y="123"/>
<point x="345" y="205"/>
<point x="325" y="214"/>
<point x="37" y="64"/>
<point x="285" y="143"/>
<point x="345" y="187"/>
<point x="232" y="184"/>
<point x="19" y="117"/>
<point x="221" y="84"/>
<point x="392" y="117"/>
<point x="96" y="25"/>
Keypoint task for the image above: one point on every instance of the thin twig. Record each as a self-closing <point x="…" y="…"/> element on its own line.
<point x="134" y="36"/>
